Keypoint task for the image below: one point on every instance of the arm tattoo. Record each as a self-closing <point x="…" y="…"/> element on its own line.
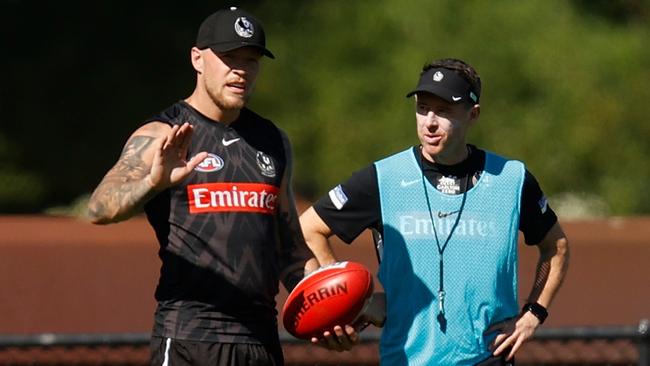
<point x="123" y="190"/>
<point x="131" y="157"/>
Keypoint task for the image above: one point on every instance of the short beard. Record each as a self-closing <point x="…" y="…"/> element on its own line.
<point x="224" y="104"/>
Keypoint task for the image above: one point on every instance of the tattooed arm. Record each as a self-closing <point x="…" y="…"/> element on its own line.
<point x="297" y="260"/>
<point x="152" y="160"/>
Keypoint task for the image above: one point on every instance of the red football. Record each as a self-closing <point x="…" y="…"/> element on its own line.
<point x="332" y="295"/>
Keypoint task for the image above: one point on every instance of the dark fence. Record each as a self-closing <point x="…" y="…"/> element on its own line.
<point x="610" y="345"/>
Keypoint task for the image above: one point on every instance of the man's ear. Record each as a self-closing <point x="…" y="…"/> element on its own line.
<point x="196" y="57"/>
<point x="475" y="113"/>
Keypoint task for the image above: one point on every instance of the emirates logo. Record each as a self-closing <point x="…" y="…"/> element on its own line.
<point x="232" y="197"/>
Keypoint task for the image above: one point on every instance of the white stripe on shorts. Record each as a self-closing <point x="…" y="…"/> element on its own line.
<point x="166" y="359"/>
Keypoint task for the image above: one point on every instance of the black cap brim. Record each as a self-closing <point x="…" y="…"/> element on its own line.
<point x="441" y="92"/>
<point x="445" y="84"/>
<point x="225" y="47"/>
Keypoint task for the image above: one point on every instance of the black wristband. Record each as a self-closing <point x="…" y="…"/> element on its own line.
<point x="536" y="309"/>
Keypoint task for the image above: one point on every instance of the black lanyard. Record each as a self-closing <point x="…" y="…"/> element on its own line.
<point x="441" y="249"/>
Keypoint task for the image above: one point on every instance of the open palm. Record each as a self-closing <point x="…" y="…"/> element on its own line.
<point x="169" y="166"/>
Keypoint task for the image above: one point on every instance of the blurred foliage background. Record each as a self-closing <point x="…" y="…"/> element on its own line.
<point x="565" y="88"/>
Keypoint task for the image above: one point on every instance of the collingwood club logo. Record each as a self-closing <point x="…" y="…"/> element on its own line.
<point x="244" y="27"/>
<point x="265" y="163"/>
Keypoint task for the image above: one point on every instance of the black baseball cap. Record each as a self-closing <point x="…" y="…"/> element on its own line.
<point x="447" y="85"/>
<point x="229" y="29"/>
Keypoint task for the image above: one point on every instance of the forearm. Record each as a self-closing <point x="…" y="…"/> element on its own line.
<point x="127" y="185"/>
<point x="115" y="200"/>
<point x="319" y="245"/>
<point x="317" y="235"/>
<point x="551" y="270"/>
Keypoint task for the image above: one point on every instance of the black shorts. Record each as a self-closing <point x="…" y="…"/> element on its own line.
<point x="175" y="352"/>
<point x="497" y="361"/>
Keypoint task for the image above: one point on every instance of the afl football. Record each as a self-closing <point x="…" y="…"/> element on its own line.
<point x="332" y="295"/>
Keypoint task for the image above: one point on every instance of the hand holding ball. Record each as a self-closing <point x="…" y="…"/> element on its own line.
<point x="332" y="295"/>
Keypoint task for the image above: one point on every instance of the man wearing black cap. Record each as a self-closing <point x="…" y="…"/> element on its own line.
<point x="445" y="216"/>
<point x="214" y="179"/>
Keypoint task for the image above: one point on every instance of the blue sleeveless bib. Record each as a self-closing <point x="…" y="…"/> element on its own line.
<point x="480" y="261"/>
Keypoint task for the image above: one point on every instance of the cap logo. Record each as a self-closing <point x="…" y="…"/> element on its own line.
<point x="244" y="27"/>
<point x="438" y="76"/>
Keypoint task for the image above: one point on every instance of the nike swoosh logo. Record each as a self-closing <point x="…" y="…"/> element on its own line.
<point x="404" y="183"/>
<point x="228" y="142"/>
<point x="445" y="214"/>
<point x="456" y="99"/>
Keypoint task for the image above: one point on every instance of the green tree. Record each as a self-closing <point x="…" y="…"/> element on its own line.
<point x="565" y="87"/>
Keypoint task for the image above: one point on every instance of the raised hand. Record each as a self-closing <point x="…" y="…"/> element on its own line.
<point x="152" y="160"/>
<point x="169" y="166"/>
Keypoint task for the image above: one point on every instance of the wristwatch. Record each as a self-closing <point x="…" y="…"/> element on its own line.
<point x="536" y="309"/>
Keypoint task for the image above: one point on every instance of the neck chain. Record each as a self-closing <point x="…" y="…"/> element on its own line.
<point x="441" y="249"/>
